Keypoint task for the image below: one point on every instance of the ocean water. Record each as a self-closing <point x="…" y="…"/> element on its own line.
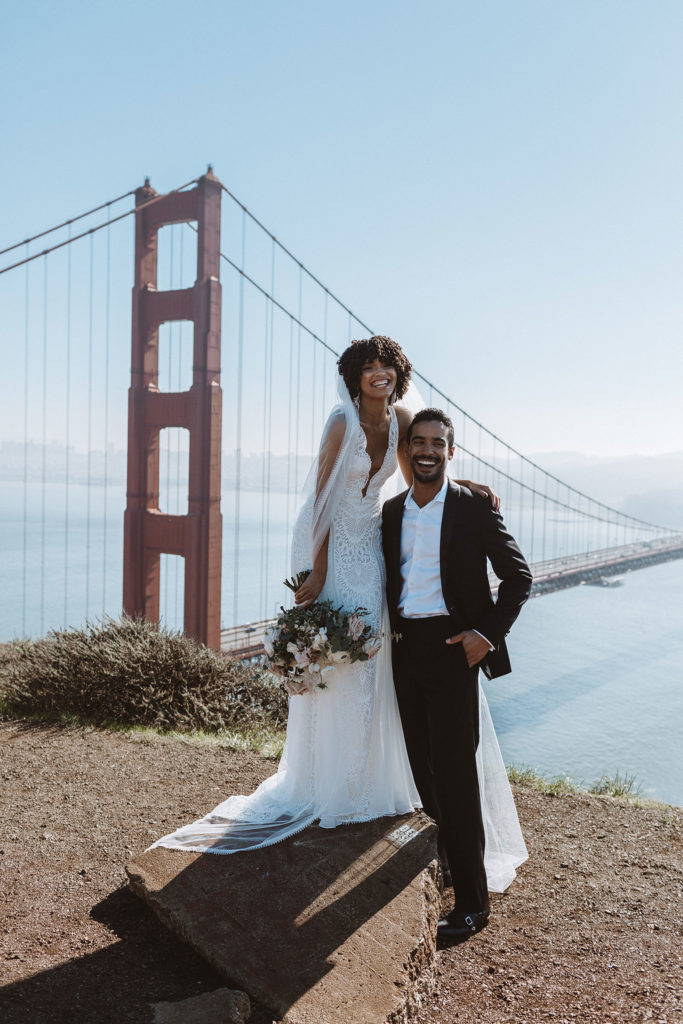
<point x="597" y="672"/>
<point x="596" y="683"/>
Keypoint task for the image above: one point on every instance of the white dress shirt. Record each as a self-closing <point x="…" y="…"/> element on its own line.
<point x="421" y="593"/>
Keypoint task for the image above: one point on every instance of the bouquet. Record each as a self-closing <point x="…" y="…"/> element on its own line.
<point x="305" y="644"/>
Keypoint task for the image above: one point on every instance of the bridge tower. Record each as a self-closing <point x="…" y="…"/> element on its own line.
<point x="147" y="531"/>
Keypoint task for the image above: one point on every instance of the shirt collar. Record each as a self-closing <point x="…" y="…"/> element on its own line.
<point x="437" y="499"/>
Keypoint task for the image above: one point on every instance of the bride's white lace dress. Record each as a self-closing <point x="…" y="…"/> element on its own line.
<point x="345" y="758"/>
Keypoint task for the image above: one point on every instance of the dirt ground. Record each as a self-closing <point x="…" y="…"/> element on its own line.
<point x="587" y="932"/>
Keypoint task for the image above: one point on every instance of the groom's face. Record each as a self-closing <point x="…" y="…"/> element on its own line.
<point x="429" y="451"/>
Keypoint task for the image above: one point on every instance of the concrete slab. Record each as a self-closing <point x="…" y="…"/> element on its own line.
<point x="332" y="926"/>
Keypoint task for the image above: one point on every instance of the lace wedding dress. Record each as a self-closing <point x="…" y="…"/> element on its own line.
<point x="345" y="758"/>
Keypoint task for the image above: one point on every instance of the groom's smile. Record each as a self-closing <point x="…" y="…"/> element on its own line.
<point x="426" y="469"/>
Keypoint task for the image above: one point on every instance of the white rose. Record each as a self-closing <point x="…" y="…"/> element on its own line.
<point x="320" y="639"/>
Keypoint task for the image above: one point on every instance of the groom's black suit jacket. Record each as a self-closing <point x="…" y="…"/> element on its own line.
<point x="471" y="532"/>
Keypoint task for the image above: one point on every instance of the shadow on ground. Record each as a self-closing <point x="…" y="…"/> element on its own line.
<point x="144" y="964"/>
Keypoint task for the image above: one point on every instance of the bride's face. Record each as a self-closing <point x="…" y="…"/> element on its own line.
<point x="378" y="379"/>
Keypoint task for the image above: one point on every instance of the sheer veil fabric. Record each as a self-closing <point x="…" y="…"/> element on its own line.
<point x="344" y="758"/>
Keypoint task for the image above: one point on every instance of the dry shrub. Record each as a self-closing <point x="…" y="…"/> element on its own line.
<point x="130" y="672"/>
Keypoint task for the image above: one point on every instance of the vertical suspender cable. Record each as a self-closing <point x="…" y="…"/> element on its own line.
<point x="262" y="524"/>
<point x="25" y="510"/>
<point x="68" y="432"/>
<point x="107" y="297"/>
<point x="89" y="454"/>
<point x="238" y="439"/>
<point x="289" y="433"/>
<point x="521" y="505"/>
<point x="533" y="513"/>
<point x="298" y="385"/>
<point x="269" y="455"/>
<point x="327" y="402"/>
<point x="545" y="523"/>
<point x="496" y="478"/>
<point x="314" y="389"/>
<point x="43" y="463"/>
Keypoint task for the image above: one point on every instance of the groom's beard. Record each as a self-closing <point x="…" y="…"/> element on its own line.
<point x="428" y="476"/>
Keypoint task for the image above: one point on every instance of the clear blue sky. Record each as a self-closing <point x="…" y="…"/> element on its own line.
<point x="495" y="184"/>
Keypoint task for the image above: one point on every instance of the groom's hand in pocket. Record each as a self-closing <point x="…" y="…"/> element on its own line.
<point x="474" y="644"/>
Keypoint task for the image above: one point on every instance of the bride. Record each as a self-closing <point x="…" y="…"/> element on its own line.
<point x="344" y="758"/>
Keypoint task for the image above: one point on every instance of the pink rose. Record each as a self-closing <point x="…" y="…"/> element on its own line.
<point x="355" y="627"/>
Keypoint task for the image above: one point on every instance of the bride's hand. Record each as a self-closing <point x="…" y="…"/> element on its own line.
<point x="310" y="588"/>
<point x="484" y="491"/>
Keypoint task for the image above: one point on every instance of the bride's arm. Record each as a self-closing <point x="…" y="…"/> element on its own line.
<point x="330" y="447"/>
<point x="404" y="419"/>
<point x="484" y="491"/>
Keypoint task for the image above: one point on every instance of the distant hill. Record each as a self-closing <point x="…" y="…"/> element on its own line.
<point x="647" y="486"/>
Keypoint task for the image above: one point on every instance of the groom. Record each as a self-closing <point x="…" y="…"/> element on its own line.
<point x="437" y="537"/>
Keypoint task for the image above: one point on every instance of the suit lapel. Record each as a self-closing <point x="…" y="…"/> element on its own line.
<point x="448" y="521"/>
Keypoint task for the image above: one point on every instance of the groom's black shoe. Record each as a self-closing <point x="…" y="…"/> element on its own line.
<point x="461" y="925"/>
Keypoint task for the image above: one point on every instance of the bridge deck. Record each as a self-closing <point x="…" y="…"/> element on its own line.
<point x="246" y="642"/>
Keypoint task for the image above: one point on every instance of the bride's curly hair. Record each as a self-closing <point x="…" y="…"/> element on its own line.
<point x="365" y="350"/>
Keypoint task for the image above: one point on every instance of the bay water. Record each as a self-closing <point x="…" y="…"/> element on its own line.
<point x="597" y="671"/>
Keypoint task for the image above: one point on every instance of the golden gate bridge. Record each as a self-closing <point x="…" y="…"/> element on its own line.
<point x="177" y="503"/>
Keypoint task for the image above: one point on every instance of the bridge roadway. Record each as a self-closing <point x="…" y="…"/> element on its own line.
<point x="246" y="642"/>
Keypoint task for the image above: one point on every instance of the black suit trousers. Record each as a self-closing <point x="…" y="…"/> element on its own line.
<point x="438" y="699"/>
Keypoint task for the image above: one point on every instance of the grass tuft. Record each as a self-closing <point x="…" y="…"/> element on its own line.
<point x="557" y="785"/>
<point x="128" y="672"/>
<point x="616" y="785"/>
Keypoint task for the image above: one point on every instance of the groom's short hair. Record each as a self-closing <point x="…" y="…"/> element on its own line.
<point x="433" y="414"/>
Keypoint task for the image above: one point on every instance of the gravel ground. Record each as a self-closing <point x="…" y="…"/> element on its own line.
<point x="587" y="933"/>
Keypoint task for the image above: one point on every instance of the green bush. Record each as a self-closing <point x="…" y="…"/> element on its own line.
<point x="130" y="672"/>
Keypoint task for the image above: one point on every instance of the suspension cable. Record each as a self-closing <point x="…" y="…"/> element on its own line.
<point x="67" y="223"/>
<point x="97" y="227"/>
<point x="291" y="255"/>
<point x="366" y="327"/>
